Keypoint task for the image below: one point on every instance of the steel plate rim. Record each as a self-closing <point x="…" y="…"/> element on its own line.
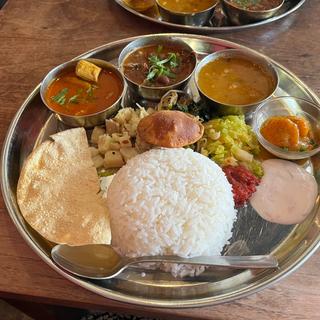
<point x="126" y="298"/>
<point x="207" y="29"/>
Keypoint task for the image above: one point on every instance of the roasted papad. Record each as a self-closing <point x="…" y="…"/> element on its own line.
<point x="58" y="191"/>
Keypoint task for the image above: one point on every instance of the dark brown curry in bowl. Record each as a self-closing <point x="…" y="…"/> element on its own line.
<point x="256" y="5"/>
<point x="158" y="65"/>
<point x="154" y="65"/>
<point x="242" y="12"/>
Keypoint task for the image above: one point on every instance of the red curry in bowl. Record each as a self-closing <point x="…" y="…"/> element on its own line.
<point x="69" y="94"/>
<point x="159" y="65"/>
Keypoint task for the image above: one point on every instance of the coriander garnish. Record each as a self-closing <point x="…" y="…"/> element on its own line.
<point x="90" y="90"/>
<point x="60" y="97"/>
<point x="74" y="99"/>
<point x="160" y="67"/>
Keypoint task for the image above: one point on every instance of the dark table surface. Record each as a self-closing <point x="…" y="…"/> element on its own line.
<point x="35" y="36"/>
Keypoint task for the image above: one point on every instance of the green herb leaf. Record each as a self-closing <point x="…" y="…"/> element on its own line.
<point x="174" y="61"/>
<point x="60" y="97"/>
<point x="90" y="91"/>
<point x="152" y="74"/>
<point x="162" y="67"/>
<point x="74" y="99"/>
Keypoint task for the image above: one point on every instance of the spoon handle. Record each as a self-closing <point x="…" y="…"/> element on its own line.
<point x="240" y="262"/>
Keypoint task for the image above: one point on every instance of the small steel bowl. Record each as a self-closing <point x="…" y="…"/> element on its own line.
<point x="239" y="16"/>
<point x="89" y="120"/>
<point x="228" y="109"/>
<point x="140" y="6"/>
<point x="154" y="93"/>
<point x="287" y="106"/>
<point x="186" y="18"/>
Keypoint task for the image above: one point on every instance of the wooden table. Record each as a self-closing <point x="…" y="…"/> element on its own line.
<point x="38" y="35"/>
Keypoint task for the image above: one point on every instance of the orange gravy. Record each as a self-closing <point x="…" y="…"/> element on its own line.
<point x="235" y="81"/>
<point x="71" y="95"/>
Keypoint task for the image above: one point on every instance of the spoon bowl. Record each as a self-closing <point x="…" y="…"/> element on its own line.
<point x="100" y="261"/>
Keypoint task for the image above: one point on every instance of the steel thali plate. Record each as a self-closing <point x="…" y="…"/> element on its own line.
<point x="153" y="15"/>
<point x="292" y="244"/>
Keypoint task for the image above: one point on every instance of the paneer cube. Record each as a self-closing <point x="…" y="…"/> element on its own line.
<point x="128" y="153"/>
<point x="96" y="133"/>
<point x="114" y="145"/>
<point x="98" y="161"/>
<point x="112" y="126"/>
<point x="113" y="159"/>
<point x="87" y="71"/>
<point x="93" y="151"/>
<point x="104" y="143"/>
<point x="123" y="139"/>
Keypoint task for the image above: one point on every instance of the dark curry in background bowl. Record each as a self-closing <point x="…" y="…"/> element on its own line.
<point x="83" y="93"/>
<point x="242" y="12"/>
<point x="152" y="66"/>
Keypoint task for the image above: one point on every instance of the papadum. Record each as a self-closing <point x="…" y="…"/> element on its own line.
<point x="58" y="191"/>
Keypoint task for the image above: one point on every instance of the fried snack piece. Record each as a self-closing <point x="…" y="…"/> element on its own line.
<point x="302" y="124"/>
<point x="87" y="71"/>
<point x="170" y="129"/>
<point x="281" y="132"/>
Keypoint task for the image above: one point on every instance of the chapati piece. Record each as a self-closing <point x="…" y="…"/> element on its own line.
<point x="58" y="191"/>
<point x="170" y="129"/>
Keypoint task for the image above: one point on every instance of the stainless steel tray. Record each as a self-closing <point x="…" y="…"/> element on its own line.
<point x="289" y="7"/>
<point x="252" y="235"/>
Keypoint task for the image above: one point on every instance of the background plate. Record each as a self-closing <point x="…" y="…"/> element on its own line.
<point x="252" y="235"/>
<point x="289" y="7"/>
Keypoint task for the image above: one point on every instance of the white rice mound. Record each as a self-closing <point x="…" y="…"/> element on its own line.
<point x="171" y="202"/>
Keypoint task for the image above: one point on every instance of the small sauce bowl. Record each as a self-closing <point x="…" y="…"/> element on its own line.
<point x="223" y="107"/>
<point x="240" y="16"/>
<point x="155" y="93"/>
<point x="87" y="120"/>
<point x="199" y="18"/>
<point x="288" y="106"/>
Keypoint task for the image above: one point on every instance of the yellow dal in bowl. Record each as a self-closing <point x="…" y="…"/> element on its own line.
<point x="187" y="6"/>
<point x="235" y="81"/>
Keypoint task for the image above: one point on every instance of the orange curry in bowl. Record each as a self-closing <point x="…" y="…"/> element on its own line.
<point x="235" y="81"/>
<point x="187" y="6"/>
<point x="79" y="95"/>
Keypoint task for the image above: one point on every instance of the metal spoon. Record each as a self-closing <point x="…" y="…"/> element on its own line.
<point x="102" y="262"/>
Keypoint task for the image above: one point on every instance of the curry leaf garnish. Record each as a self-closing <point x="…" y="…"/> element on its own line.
<point x="74" y="99"/>
<point x="60" y="97"/>
<point x="152" y="73"/>
<point x="90" y="90"/>
<point x="160" y="67"/>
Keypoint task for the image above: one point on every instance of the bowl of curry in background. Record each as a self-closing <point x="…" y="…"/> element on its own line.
<point x="241" y="12"/>
<point x="83" y="101"/>
<point x="235" y="81"/>
<point x="154" y="65"/>
<point x="140" y="5"/>
<point x="187" y="12"/>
